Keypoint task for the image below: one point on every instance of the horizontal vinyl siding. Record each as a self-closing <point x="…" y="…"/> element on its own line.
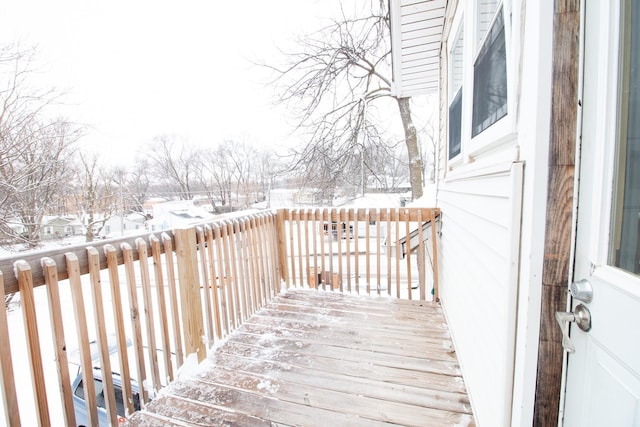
<point x="475" y="265"/>
<point x="416" y="33"/>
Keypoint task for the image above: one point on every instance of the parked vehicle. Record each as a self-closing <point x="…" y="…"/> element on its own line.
<point x="79" y="401"/>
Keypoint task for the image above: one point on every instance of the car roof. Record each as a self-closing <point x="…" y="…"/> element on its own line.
<point x="112" y="344"/>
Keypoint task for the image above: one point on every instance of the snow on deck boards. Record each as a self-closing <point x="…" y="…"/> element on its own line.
<point x="315" y="358"/>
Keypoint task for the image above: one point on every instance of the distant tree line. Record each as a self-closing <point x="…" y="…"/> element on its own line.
<point x="45" y="172"/>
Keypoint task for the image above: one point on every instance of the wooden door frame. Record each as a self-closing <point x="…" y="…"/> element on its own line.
<point x="559" y="212"/>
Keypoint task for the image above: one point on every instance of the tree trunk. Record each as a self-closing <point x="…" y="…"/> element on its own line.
<point x="411" y="140"/>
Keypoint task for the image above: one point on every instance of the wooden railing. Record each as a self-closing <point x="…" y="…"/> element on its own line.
<point x="161" y="301"/>
<point x="365" y="251"/>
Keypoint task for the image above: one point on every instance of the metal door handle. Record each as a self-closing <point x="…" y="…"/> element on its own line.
<point x="581" y="316"/>
<point x="582" y="290"/>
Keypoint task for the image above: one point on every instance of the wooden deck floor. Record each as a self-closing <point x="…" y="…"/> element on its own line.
<point x="324" y="359"/>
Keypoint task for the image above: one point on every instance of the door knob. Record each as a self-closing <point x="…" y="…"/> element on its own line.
<point x="582" y="318"/>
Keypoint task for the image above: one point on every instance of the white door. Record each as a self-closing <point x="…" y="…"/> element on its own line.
<point x="603" y="374"/>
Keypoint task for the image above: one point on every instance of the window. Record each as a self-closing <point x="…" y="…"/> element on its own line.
<point x="486" y="12"/>
<point x="625" y="243"/>
<point x="455" y="125"/>
<point x="455" y="89"/>
<point x="490" y="79"/>
<point x="100" y="398"/>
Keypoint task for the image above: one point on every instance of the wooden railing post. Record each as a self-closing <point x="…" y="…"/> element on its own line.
<point x="436" y="287"/>
<point x="189" y="283"/>
<point x="282" y="246"/>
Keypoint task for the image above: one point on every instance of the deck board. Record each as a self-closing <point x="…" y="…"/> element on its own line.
<point x="323" y="358"/>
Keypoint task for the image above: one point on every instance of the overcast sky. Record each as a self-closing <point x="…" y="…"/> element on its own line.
<point x="138" y="69"/>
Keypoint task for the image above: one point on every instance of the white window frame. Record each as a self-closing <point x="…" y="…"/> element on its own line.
<point x="503" y="129"/>
<point x="457" y="28"/>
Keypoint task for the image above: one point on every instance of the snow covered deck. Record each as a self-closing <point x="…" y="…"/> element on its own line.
<point x="324" y="358"/>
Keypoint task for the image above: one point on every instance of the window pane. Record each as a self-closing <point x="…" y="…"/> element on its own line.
<point x="455" y="119"/>
<point x="627" y="205"/>
<point x="455" y="93"/>
<point x="486" y="12"/>
<point x="456" y="64"/>
<point x="490" y="79"/>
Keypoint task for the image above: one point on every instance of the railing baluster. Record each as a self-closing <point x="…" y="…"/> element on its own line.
<point x="27" y="299"/>
<point x="356" y="242"/>
<point x="263" y="268"/>
<point x="314" y="232"/>
<point x="298" y="230"/>
<point x="12" y="411"/>
<point x="229" y="279"/>
<point x="367" y="242"/>
<point x="256" y="292"/>
<point x="272" y="238"/>
<point x="232" y="272"/>
<point x="326" y="231"/>
<point x="305" y="216"/>
<point x="340" y="236"/>
<point x="134" y="314"/>
<point x="330" y="237"/>
<point x="292" y="253"/>
<point x="238" y="290"/>
<point x="242" y="272"/>
<point x="202" y="257"/>
<point x="408" y="250"/>
<point x="349" y="228"/>
<point x="388" y="241"/>
<point x="156" y="252"/>
<point x="378" y="250"/>
<point x="167" y="243"/>
<point x="269" y="249"/>
<point x="118" y="317"/>
<point x="50" y="272"/>
<point x="143" y="261"/>
<point x="421" y="270"/>
<point x="101" y="332"/>
<point x="398" y="253"/>
<point x="213" y="283"/>
<point x="222" y="279"/>
<point x="82" y="331"/>
<point x="280" y="249"/>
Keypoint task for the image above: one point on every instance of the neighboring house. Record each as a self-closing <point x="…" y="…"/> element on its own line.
<point x="120" y="225"/>
<point x="148" y="204"/>
<point x="538" y="181"/>
<point x="56" y="227"/>
<point x="15" y="228"/>
<point x="170" y="215"/>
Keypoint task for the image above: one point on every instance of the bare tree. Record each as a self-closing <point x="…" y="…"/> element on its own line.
<point x="33" y="148"/>
<point x="133" y="185"/>
<point x="98" y="196"/>
<point x="34" y="173"/>
<point x="173" y="162"/>
<point x="334" y="84"/>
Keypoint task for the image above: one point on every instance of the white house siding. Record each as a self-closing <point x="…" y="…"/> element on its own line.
<point x="415" y="42"/>
<point x="493" y="202"/>
<point x="479" y="249"/>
